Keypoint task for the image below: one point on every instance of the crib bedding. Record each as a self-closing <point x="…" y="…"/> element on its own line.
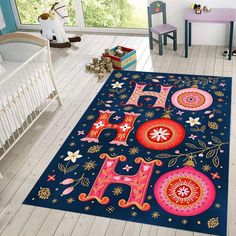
<point x="9" y="67"/>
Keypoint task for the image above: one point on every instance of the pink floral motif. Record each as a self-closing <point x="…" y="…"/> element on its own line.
<point x="192" y="99"/>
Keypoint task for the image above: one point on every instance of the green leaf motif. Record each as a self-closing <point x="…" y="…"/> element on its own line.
<point x="210" y="153"/>
<point x="190" y="145"/>
<point x="61" y="167"/>
<point x="71" y="168"/>
<point x="201" y="143"/>
<point x="216" y="161"/>
<point x="172" y="162"/>
<point x="203" y="128"/>
<point x="163" y="155"/>
<point x="215" y="139"/>
<point x="85" y="182"/>
<point x="94" y="149"/>
<point x="219" y="93"/>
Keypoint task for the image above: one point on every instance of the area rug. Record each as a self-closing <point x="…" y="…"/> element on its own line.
<point x="151" y="148"/>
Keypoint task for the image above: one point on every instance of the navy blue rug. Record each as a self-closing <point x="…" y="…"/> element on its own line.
<point x="151" y="148"/>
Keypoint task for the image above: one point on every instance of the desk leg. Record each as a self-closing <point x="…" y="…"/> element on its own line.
<point x="186" y="38"/>
<point x="190" y="34"/>
<point x="231" y="33"/>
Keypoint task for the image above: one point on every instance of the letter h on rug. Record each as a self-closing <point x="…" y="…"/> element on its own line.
<point x="123" y="129"/>
<point x="138" y="183"/>
<point x="138" y="92"/>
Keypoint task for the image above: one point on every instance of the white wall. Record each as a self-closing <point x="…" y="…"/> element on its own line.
<point x="202" y="33"/>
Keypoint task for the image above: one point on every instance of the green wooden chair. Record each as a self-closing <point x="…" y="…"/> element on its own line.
<point x="163" y="30"/>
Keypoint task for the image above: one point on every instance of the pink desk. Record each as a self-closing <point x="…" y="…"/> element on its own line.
<point x="216" y="15"/>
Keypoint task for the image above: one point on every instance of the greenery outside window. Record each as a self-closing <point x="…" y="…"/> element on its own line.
<point x="29" y="10"/>
<point x="117" y="14"/>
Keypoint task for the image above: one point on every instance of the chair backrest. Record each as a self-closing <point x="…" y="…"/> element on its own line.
<point x="155" y="8"/>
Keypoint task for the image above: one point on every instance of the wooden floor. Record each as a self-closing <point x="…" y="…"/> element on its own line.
<point x="25" y="163"/>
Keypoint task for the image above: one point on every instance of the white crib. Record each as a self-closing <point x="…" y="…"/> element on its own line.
<point x="27" y="85"/>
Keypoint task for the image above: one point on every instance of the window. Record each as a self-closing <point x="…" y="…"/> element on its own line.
<point x="115" y="13"/>
<point x="29" y="10"/>
<point x="129" y="14"/>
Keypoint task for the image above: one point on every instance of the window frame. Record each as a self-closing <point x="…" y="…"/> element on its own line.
<point x="80" y="23"/>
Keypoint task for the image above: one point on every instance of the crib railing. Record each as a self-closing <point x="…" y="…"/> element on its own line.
<point x="24" y="95"/>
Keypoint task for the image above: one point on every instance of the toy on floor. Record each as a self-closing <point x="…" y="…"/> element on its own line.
<point x="53" y="23"/>
<point x="100" y="67"/>
<point x="118" y="52"/>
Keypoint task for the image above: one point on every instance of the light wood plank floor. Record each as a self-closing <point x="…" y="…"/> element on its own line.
<point x="25" y="163"/>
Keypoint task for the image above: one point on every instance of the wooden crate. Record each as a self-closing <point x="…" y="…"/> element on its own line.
<point x="121" y="63"/>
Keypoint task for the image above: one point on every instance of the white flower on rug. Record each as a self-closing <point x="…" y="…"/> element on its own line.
<point x="125" y="127"/>
<point x="160" y="134"/>
<point x="99" y="124"/>
<point x="183" y="191"/>
<point x="73" y="156"/>
<point x="117" y="85"/>
<point x="127" y="168"/>
<point x="193" y="121"/>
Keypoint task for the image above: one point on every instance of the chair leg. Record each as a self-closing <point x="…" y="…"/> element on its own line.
<point x="160" y="44"/>
<point x="175" y="40"/>
<point x="150" y="40"/>
<point x="165" y="39"/>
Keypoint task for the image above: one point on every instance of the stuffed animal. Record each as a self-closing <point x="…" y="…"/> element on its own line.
<point x="197" y="8"/>
<point x="206" y="9"/>
<point x="53" y="23"/>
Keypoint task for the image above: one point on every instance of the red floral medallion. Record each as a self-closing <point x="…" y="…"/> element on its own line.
<point x="160" y="134"/>
<point x="184" y="192"/>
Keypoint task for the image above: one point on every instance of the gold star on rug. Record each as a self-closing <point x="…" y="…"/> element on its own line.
<point x="110" y="209"/>
<point x="134" y="213"/>
<point x="117" y="191"/>
<point x="70" y="200"/>
<point x="149" y="114"/>
<point x="133" y="150"/>
<point x="206" y="168"/>
<point x="123" y="96"/>
<point x="90" y="117"/>
<point x="89" y="165"/>
<point x="155" y="214"/>
<point x="72" y="144"/>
